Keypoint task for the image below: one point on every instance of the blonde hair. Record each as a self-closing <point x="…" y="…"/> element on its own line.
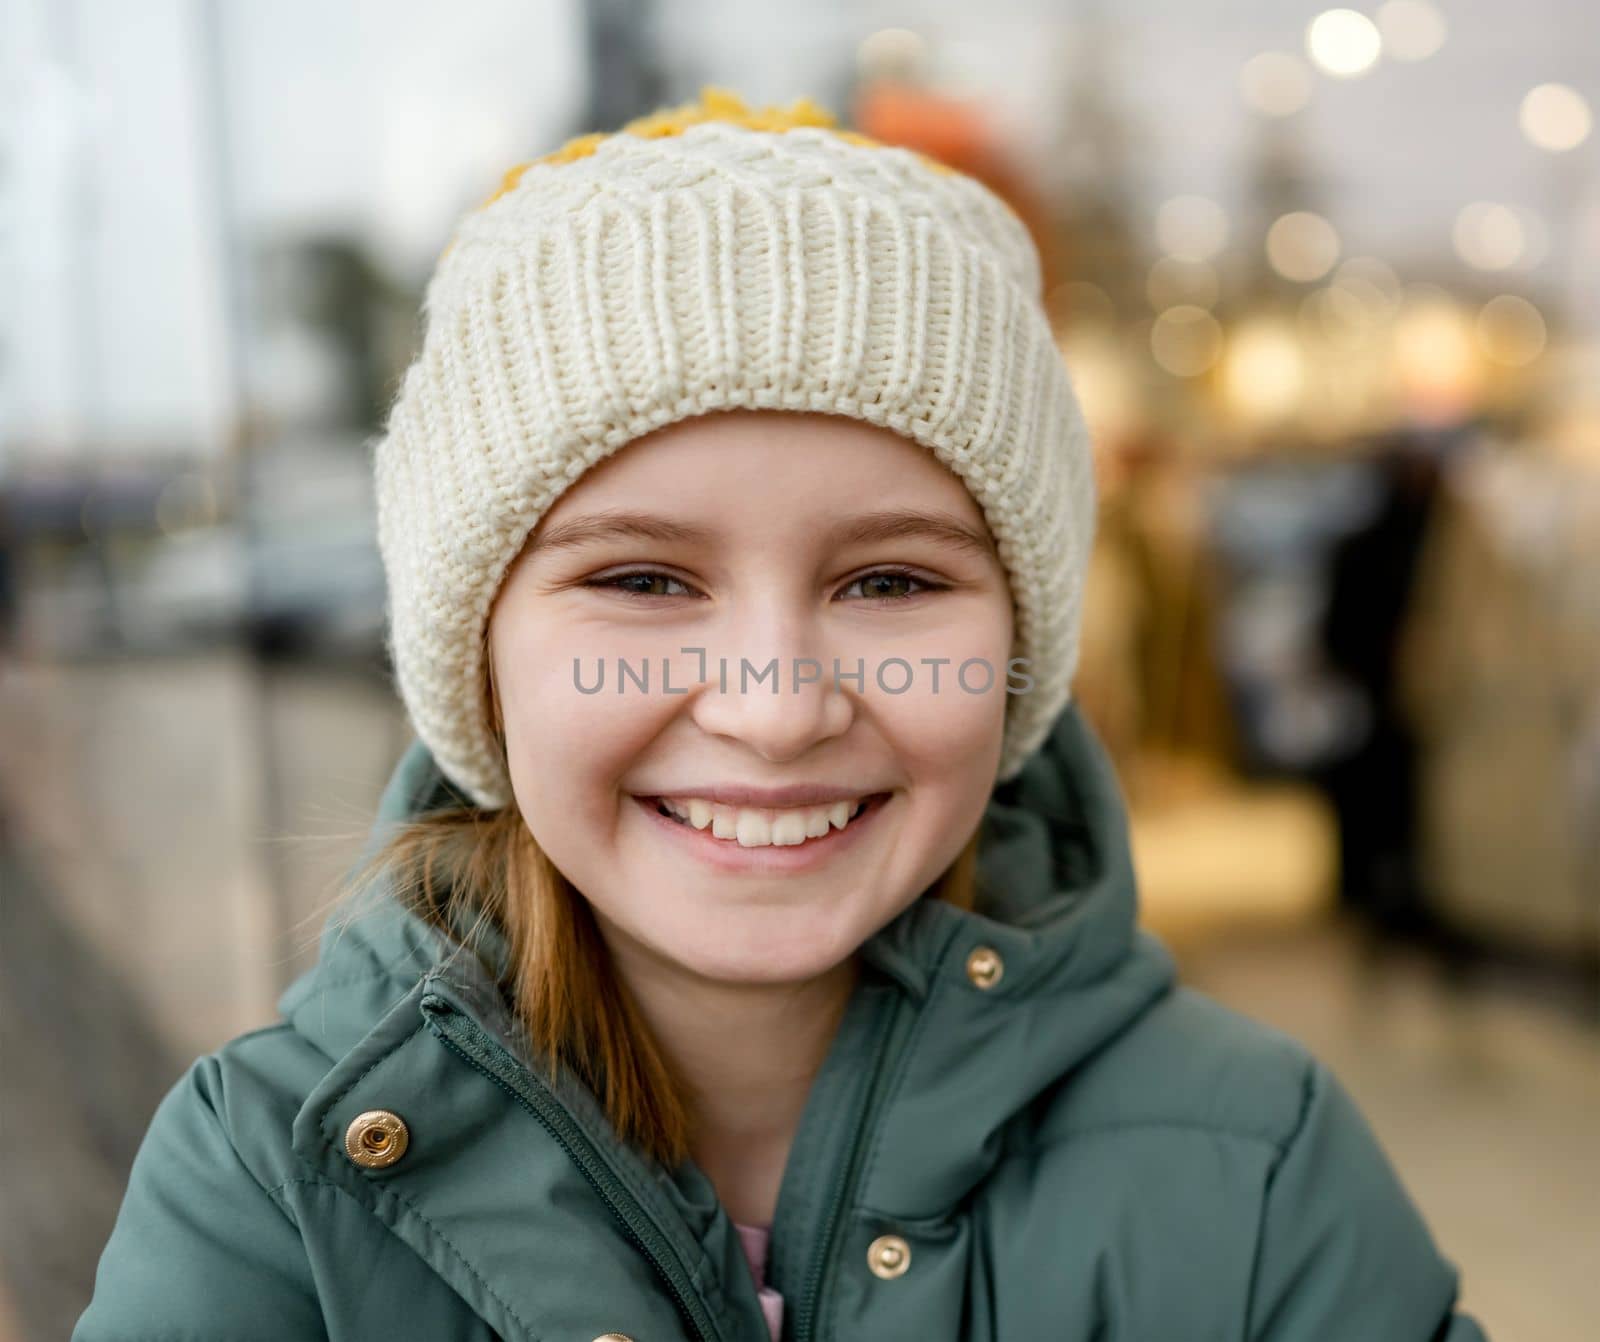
<point x="462" y="866"/>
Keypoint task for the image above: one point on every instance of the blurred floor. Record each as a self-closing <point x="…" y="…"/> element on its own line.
<point x="191" y="814"/>
<point x="136" y="804"/>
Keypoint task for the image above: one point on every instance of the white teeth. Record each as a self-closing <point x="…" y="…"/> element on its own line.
<point x="789" y="828"/>
<point x="761" y="827"/>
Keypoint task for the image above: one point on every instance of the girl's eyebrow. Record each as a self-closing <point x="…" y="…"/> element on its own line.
<point x="863" y="528"/>
<point x="616" y="524"/>
<point x="900" y="523"/>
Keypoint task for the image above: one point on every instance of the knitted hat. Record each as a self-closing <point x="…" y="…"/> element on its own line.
<point x="707" y="257"/>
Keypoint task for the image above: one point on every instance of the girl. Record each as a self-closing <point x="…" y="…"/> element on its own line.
<point x="751" y="952"/>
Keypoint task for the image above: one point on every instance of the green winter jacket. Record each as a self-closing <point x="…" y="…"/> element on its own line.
<point x="1077" y="1150"/>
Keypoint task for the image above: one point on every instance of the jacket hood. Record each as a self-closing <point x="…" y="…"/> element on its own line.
<point x="1057" y="903"/>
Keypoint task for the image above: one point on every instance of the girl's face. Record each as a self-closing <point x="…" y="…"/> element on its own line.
<point x="757" y="537"/>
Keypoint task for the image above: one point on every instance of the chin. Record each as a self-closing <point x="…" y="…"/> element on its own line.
<point x="767" y="960"/>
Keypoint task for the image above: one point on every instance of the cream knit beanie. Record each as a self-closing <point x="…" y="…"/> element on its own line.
<point x="705" y="258"/>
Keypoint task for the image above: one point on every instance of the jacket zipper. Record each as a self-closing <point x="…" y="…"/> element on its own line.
<point x="555" y="1119"/>
<point x="805" y="1315"/>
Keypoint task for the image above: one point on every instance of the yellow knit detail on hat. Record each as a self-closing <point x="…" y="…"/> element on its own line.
<point x="716" y="104"/>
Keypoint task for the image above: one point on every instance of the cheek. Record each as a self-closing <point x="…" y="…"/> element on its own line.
<point x="941" y="696"/>
<point x="566" y="749"/>
<point x="946" y="733"/>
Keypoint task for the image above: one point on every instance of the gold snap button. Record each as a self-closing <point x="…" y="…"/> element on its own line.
<point x="376" y="1138"/>
<point x="888" y="1256"/>
<point x="984" y="966"/>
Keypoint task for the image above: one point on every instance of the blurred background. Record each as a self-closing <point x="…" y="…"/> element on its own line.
<point x="1328" y="282"/>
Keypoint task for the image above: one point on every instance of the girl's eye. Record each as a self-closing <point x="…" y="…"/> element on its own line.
<point x="645" y="584"/>
<point x="890" y="584"/>
<point x="884" y="585"/>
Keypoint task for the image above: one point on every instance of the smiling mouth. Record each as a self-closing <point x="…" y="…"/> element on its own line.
<point x="747" y="827"/>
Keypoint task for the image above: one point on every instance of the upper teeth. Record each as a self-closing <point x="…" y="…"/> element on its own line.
<point x="759" y="827"/>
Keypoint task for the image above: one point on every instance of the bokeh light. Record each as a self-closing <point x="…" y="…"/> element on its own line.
<point x="1302" y="246"/>
<point x="1275" y="83"/>
<point x="1412" y="30"/>
<point x="1370" y="280"/>
<point x="1556" y="117"/>
<point x="1489" y="236"/>
<point x="1263" y="370"/>
<point x="1343" y="43"/>
<point x="1436" y="359"/>
<point x="1186" y="340"/>
<point x="1102" y="380"/>
<point x="1510" y="330"/>
<point x="1191" y="228"/>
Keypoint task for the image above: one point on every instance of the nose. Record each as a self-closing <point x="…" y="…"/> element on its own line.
<point x="779" y="706"/>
